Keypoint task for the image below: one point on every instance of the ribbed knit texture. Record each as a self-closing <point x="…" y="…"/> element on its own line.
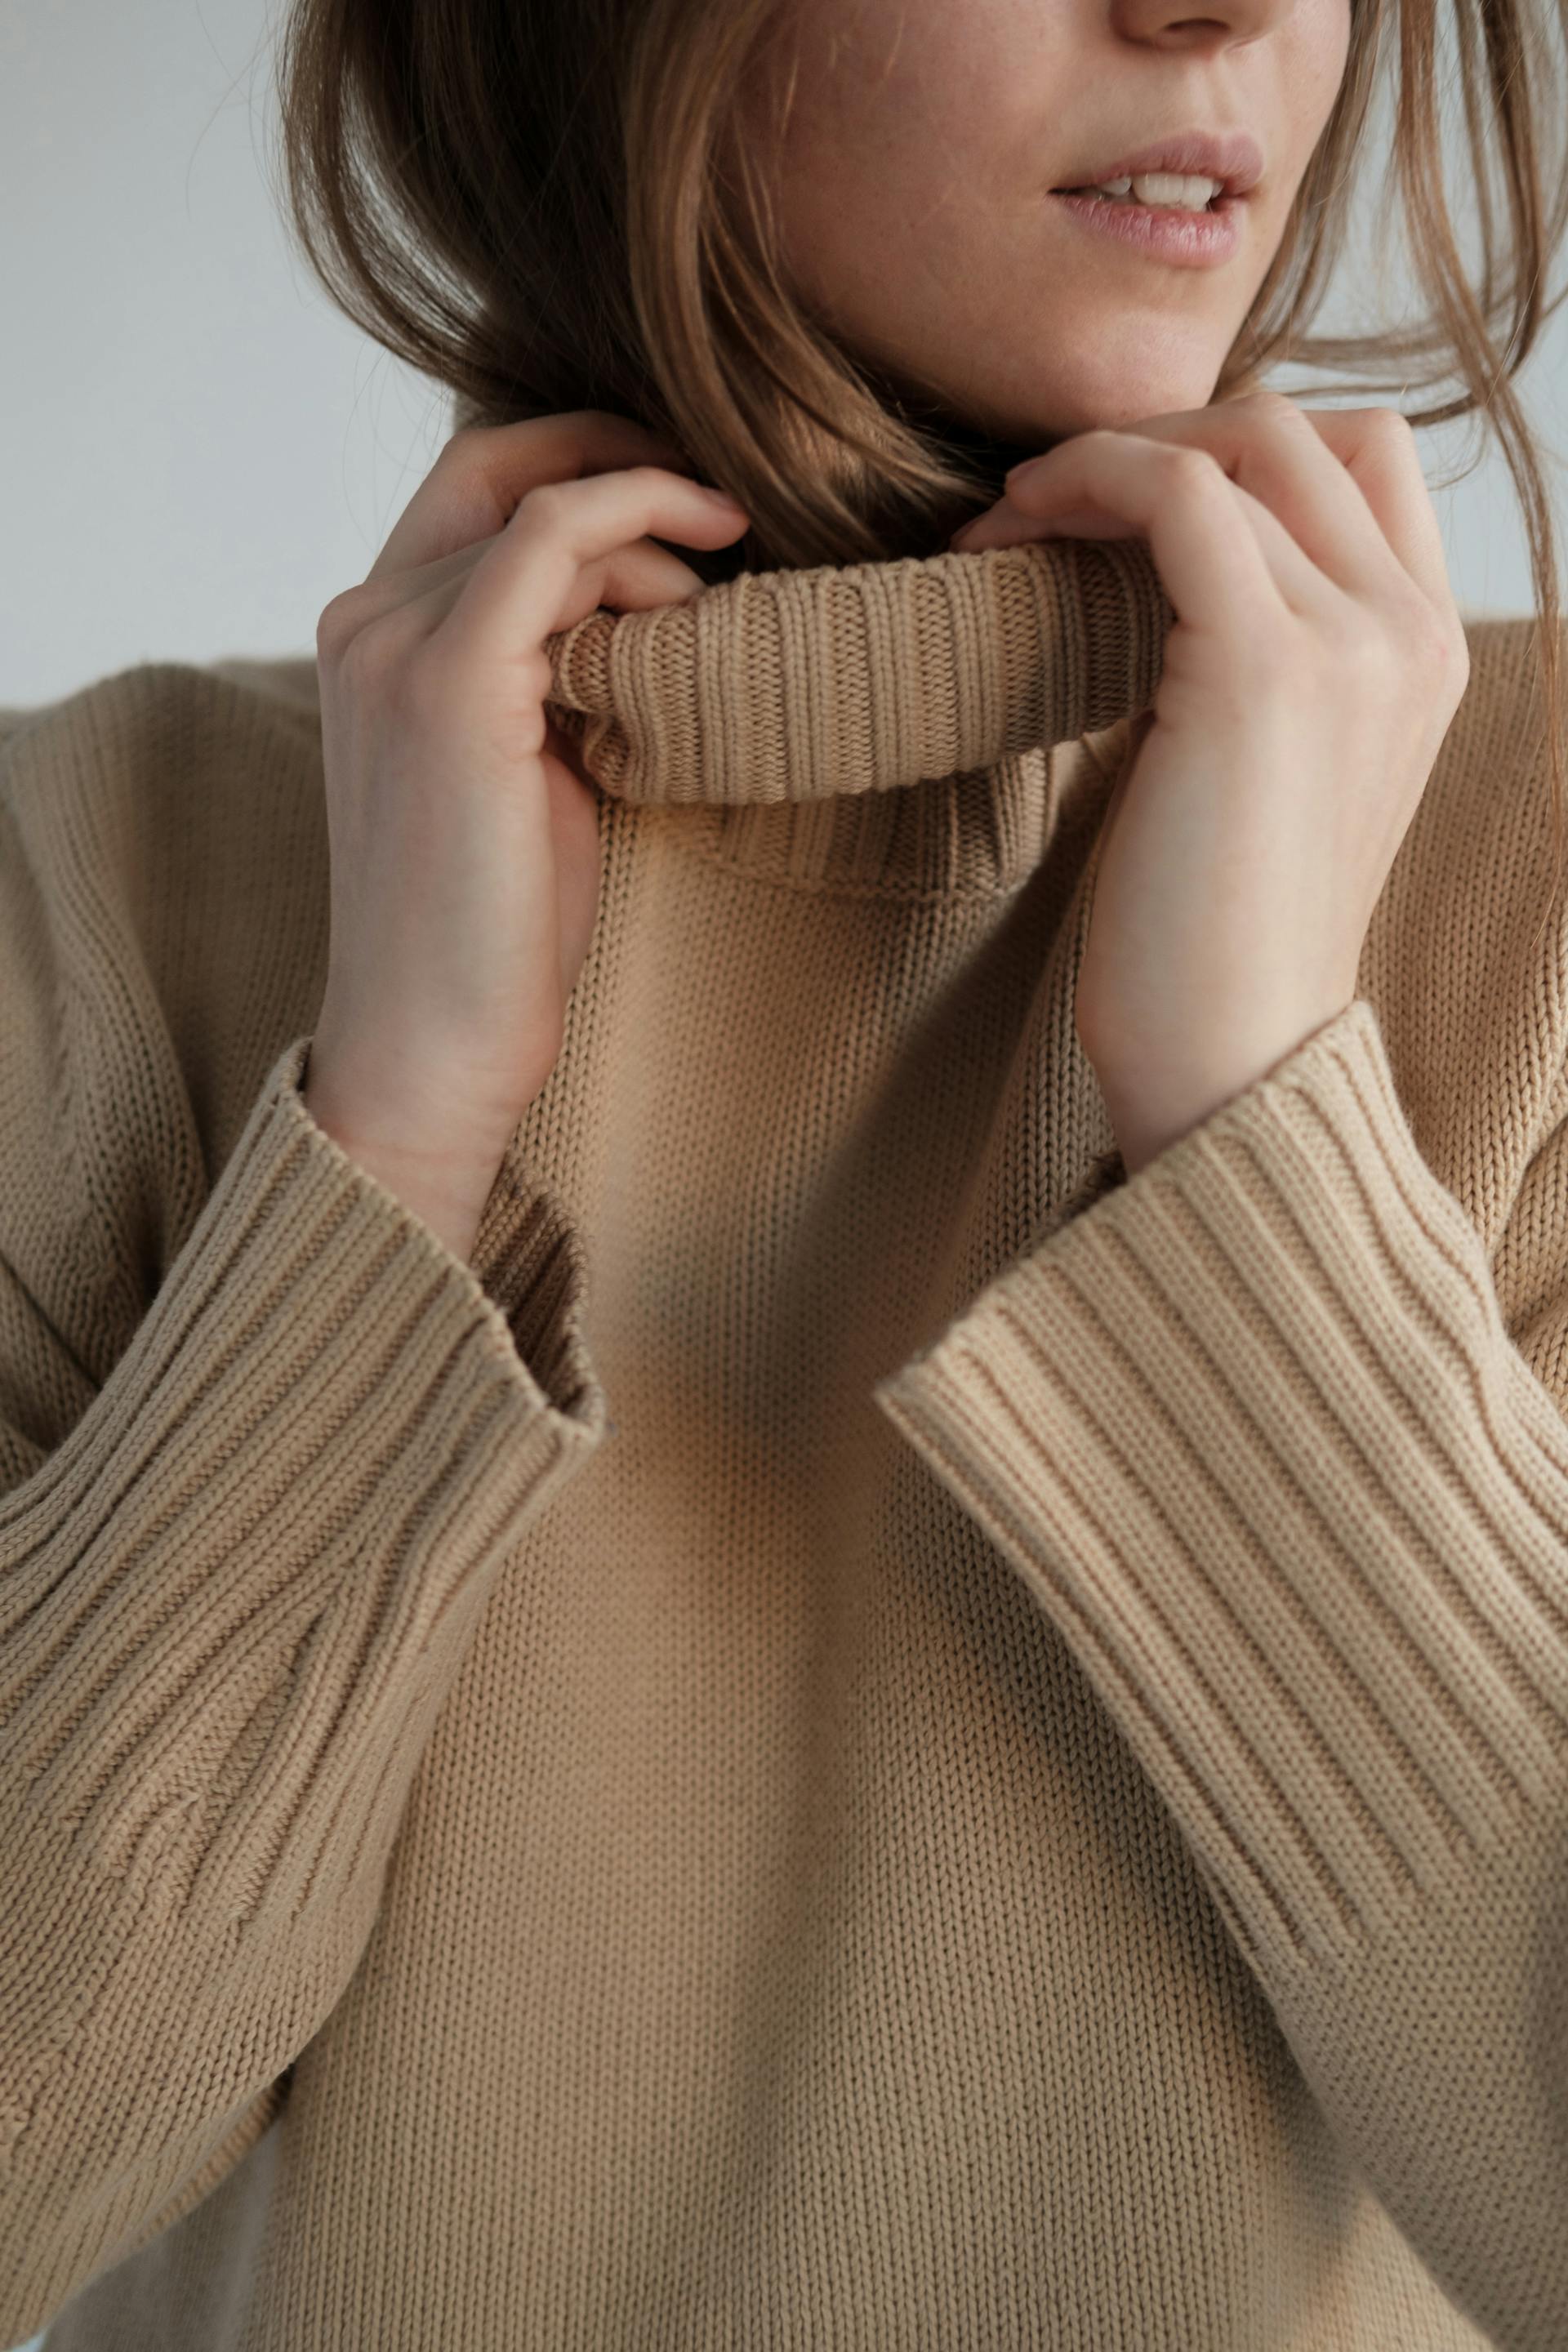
<point x="867" y="1732"/>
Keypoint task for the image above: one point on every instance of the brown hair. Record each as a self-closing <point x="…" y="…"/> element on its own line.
<point x="546" y="208"/>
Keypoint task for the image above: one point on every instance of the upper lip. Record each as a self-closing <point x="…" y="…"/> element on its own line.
<point x="1232" y="157"/>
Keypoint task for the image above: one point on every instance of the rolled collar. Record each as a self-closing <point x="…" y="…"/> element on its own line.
<point x="888" y="726"/>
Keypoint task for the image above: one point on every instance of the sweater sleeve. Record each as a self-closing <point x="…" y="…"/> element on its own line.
<point x="1253" y="1431"/>
<point x="240" y="1566"/>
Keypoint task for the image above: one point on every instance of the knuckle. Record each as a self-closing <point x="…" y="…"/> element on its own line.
<point x="378" y="664"/>
<point x="463" y="447"/>
<point x="1191" y="469"/>
<point x="361" y="660"/>
<point x="1417" y="641"/>
<point x="479" y="449"/>
<point x="1387" y="424"/>
<point x="1280" y="414"/>
<point x="1268" y="401"/>
<point x="1446" y="649"/>
<point x="1418" y="627"/>
<point x="337" y="625"/>
<point x="548" y="504"/>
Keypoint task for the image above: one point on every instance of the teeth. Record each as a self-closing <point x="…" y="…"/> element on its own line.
<point x="1173" y="190"/>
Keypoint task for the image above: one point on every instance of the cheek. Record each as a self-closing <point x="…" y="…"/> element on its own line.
<point x="895" y="208"/>
<point x="898" y="119"/>
<point x="1314" y="72"/>
<point x="1326" y="28"/>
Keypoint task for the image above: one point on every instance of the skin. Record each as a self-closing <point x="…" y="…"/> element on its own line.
<point x="911" y="175"/>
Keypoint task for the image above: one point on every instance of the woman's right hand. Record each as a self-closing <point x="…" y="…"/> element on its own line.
<point x="463" y="835"/>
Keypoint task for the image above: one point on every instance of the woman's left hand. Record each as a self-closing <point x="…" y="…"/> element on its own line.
<point x="1315" y="663"/>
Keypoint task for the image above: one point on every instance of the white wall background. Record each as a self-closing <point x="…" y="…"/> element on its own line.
<point x="196" y="452"/>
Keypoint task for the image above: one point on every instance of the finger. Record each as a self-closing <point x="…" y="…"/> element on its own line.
<point x="546" y="568"/>
<point x="1222" y="557"/>
<point x="1346" y="486"/>
<point x="1301" y="587"/>
<point x="1379" y="451"/>
<point x="636" y="579"/>
<point x="475" y="487"/>
<point x="1271" y="452"/>
<point x="651" y="576"/>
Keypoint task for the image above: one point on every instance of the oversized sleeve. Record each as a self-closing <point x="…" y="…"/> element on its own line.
<point x="251" y="1501"/>
<point x="1253" y="1430"/>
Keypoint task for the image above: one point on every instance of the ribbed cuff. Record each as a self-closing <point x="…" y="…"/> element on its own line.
<point x="1252" y="1430"/>
<point x="324" y="1434"/>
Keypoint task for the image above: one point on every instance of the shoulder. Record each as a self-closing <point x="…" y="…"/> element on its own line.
<point x="175" y="794"/>
<point x="162" y="930"/>
<point x="159" y="728"/>
<point x="164" y="899"/>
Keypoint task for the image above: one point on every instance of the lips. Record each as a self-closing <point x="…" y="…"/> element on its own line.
<point x="1234" y="158"/>
<point x="1182" y="240"/>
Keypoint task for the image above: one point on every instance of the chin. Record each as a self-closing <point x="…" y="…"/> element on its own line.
<point x="1110" y="398"/>
<point x="1116" y="410"/>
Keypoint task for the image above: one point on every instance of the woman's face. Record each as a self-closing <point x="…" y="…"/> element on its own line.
<point x="915" y="170"/>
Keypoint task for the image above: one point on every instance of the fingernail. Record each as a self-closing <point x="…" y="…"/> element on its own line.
<point x="1023" y="472"/>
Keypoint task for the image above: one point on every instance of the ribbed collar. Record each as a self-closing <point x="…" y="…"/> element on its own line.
<point x="894" y="727"/>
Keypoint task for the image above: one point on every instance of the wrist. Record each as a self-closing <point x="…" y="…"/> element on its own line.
<point x="447" y="1193"/>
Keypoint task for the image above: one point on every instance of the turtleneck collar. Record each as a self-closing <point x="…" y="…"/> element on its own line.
<point x="896" y="727"/>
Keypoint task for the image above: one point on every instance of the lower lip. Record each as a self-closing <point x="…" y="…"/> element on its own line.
<point x="1190" y="240"/>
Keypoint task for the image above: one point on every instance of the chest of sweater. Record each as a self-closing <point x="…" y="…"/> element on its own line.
<point x="808" y="1945"/>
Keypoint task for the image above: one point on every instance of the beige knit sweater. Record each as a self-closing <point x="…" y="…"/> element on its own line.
<point x="868" y="1734"/>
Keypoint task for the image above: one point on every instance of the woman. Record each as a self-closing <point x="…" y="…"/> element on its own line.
<point x="1016" y="1791"/>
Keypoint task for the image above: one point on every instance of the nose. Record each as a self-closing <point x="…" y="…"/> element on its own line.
<point x="1179" y="25"/>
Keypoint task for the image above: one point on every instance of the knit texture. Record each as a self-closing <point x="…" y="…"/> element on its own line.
<point x="866" y="1732"/>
